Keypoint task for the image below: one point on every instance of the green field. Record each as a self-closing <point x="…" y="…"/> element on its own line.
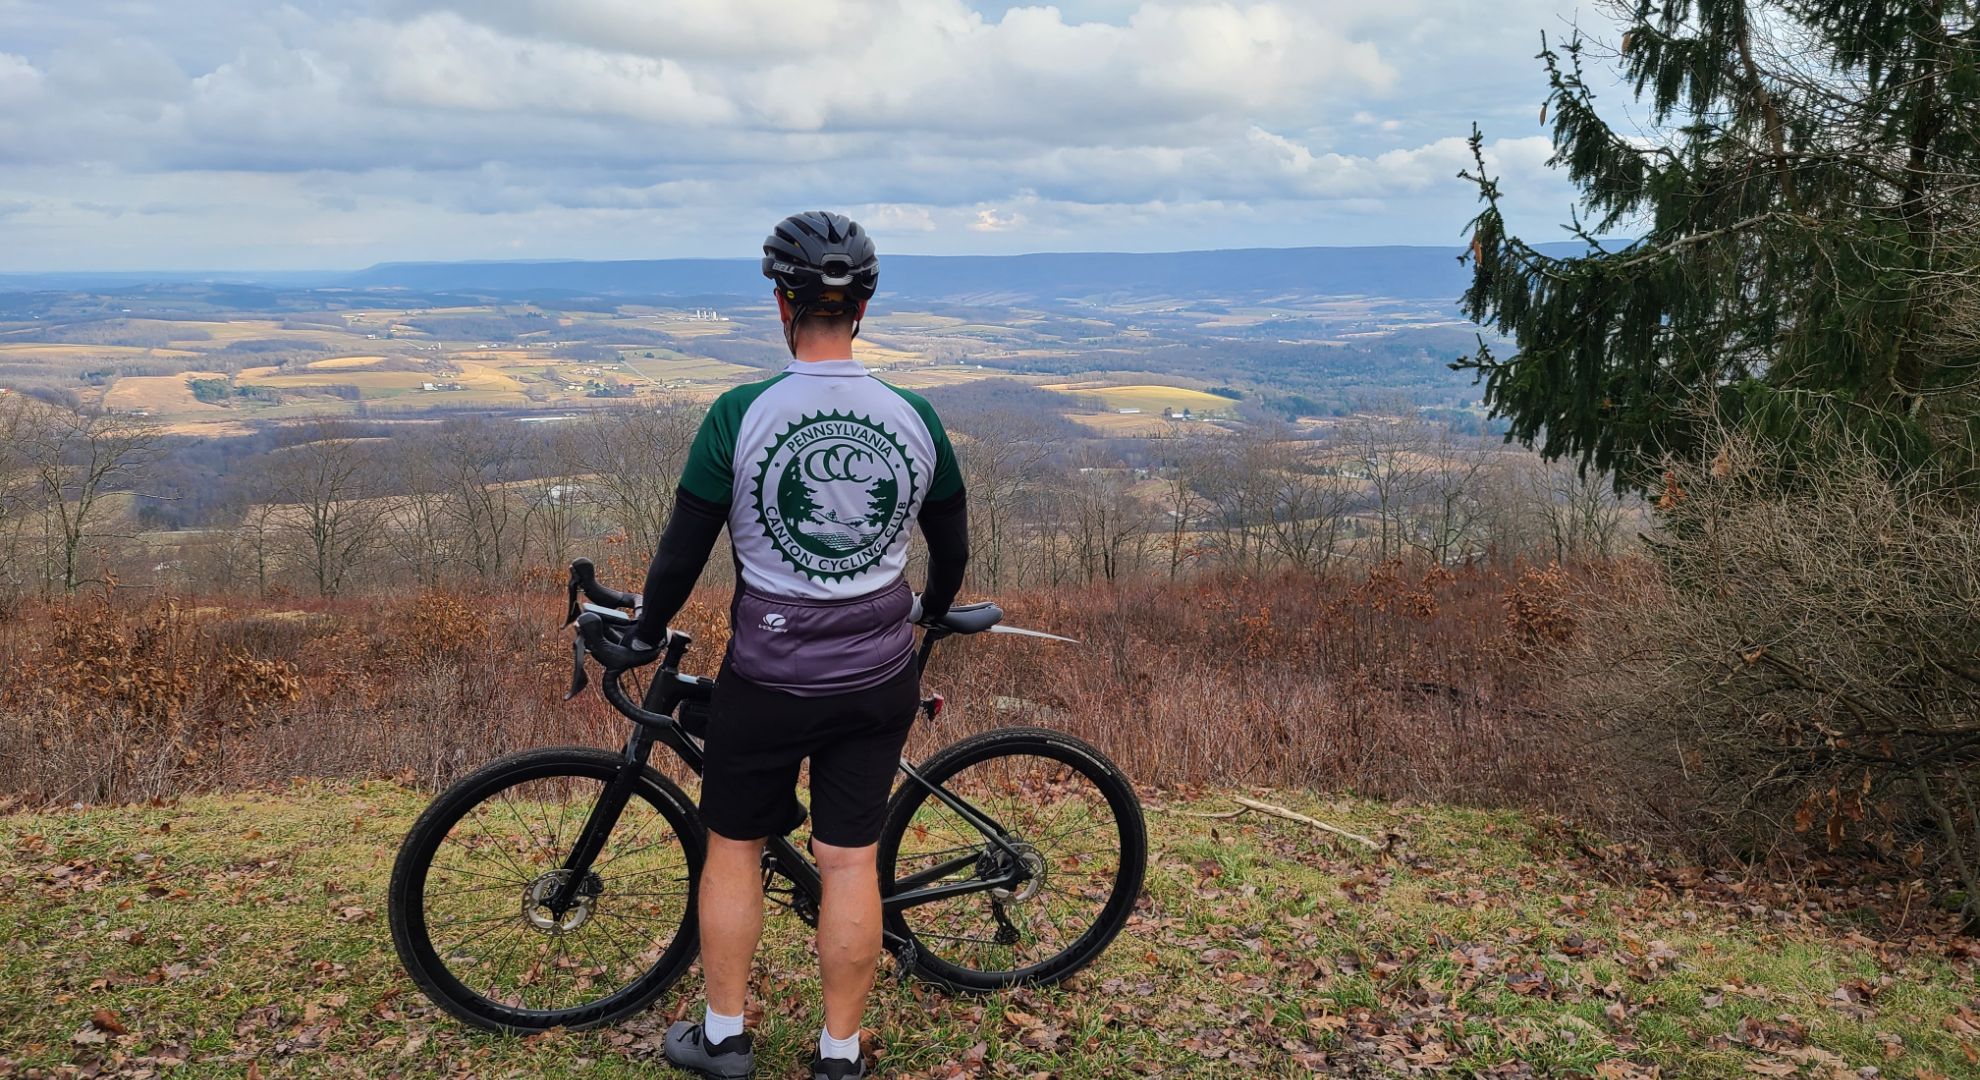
<point x="244" y="935"/>
<point x="667" y="365"/>
<point x="1151" y="398"/>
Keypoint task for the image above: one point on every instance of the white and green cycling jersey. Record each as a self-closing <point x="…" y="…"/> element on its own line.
<point x="823" y="468"/>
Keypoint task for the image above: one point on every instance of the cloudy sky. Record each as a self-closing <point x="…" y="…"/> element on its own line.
<point x="338" y="133"/>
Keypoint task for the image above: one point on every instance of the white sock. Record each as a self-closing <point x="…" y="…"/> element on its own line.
<point x="843" y="1049"/>
<point x="715" y="1027"/>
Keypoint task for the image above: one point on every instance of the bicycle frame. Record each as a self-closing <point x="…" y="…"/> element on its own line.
<point x="653" y="721"/>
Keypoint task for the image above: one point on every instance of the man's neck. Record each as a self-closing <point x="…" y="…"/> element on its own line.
<point x="834" y="347"/>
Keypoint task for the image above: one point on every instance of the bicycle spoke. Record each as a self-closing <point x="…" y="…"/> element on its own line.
<point x="506" y="886"/>
<point x="495" y="842"/>
<point x="549" y="837"/>
<point x="955" y="937"/>
<point x="682" y="891"/>
<point x="520" y="823"/>
<point x="646" y="873"/>
<point x="476" y="936"/>
<point x="637" y="835"/>
<point x="631" y="962"/>
<point x="476" y="873"/>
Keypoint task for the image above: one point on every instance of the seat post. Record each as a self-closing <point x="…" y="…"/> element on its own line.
<point x="928" y="639"/>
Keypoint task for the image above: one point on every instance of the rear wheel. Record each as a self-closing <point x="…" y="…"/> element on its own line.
<point x="469" y="891"/>
<point x="1076" y="827"/>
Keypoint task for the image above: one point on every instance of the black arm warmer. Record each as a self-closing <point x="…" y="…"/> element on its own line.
<point x="945" y="525"/>
<point x="678" y="561"/>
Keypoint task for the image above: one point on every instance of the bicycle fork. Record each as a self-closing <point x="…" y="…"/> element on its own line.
<point x="603" y="819"/>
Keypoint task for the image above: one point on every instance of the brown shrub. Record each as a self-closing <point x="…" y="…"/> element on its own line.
<point x="1402" y="683"/>
<point x="1399" y="684"/>
<point x="1800" y="672"/>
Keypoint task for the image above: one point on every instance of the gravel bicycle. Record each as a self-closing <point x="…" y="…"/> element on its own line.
<point x="556" y="887"/>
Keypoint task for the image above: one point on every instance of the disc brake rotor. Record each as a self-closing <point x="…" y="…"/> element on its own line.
<point x="536" y="903"/>
<point x="1034" y="868"/>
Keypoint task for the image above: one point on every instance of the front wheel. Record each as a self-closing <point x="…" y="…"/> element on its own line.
<point x="470" y="894"/>
<point x="1075" y="826"/>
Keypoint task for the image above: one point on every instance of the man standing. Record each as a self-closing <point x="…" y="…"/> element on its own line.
<point x="817" y="473"/>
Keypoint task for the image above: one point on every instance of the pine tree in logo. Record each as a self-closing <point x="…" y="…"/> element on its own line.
<point x="885" y="494"/>
<point x="794" y="497"/>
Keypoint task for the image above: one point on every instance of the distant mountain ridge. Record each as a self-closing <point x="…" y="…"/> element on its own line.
<point x="1402" y="272"/>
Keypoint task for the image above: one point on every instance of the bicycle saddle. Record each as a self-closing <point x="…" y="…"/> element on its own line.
<point x="971" y="618"/>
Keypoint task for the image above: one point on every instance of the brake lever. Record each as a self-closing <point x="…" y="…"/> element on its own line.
<point x="579" y="678"/>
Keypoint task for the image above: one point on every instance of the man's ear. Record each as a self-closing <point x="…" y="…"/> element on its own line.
<point x="783" y="306"/>
<point x="862" y="310"/>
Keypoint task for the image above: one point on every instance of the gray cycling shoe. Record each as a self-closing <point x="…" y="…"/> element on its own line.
<point x="686" y="1048"/>
<point x="824" y="1068"/>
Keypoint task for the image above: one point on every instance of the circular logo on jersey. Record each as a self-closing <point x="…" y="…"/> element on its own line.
<point x="833" y="494"/>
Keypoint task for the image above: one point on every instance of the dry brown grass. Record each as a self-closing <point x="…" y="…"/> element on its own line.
<point x="161" y="393"/>
<point x="1399" y="685"/>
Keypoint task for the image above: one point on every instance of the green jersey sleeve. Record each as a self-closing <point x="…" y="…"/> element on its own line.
<point x="947" y="478"/>
<point x="710" y="469"/>
<point x="948" y="475"/>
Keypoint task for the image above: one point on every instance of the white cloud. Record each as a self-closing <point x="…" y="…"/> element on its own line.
<point x="260" y="134"/>
<point x="897" y="218"/>
<point x="989" y="219"/>
<point x="444" y="62"/>
<point x="19" y="80"/>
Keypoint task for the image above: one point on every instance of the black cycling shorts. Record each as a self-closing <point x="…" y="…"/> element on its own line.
<point x="757" y="736"/>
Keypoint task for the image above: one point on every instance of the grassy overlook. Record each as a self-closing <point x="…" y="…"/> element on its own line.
<point x="241" y="935"/>
<point x="240" y="932"/>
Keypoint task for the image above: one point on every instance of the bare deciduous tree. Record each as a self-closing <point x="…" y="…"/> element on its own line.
<point x="1001" y="455"/>
<point x="328" y="523"/>
<point x="1583" y="514"/>
<point x="1443" y="519"/>
<point x="1310" y="505"/>
<point x="75" y="459"/>
<point x="1110" y="522"/>
<point x="549" y="525"/>
<point x="1180" y="457"/>
<point x="475" y="464"/>
<point x="1387" y="455"/>
<point x="416" y="522"/>
<point x="630" y="461"/>
<point x="1234" y="480"/>
<point x="18" y="501"/>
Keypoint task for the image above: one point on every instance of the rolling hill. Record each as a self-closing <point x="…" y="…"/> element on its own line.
<point x="1249" y="273"/>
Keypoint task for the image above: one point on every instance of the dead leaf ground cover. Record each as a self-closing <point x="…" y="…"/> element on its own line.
<point x="242" y="935"/>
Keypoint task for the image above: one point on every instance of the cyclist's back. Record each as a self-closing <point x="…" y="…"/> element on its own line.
<point x="822" y="468"/>
<point x="816" y="473"/>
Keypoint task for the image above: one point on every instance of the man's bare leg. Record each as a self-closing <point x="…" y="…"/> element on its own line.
<point x="732" y="919"/>
<point x="848" y="932"/>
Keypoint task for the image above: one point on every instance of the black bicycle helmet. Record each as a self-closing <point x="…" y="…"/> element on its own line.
<point x="823" y="264"/>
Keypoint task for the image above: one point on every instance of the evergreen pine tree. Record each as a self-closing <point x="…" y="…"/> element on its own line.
<point x="1805" y="194"/>
<point x="882" y="495"/>
<point x="794" y="501"/>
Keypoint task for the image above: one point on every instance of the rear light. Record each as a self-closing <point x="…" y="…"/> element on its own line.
<point x="931" y="706"/>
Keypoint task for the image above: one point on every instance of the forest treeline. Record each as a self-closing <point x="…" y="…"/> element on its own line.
<point x="329" y="507"/>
